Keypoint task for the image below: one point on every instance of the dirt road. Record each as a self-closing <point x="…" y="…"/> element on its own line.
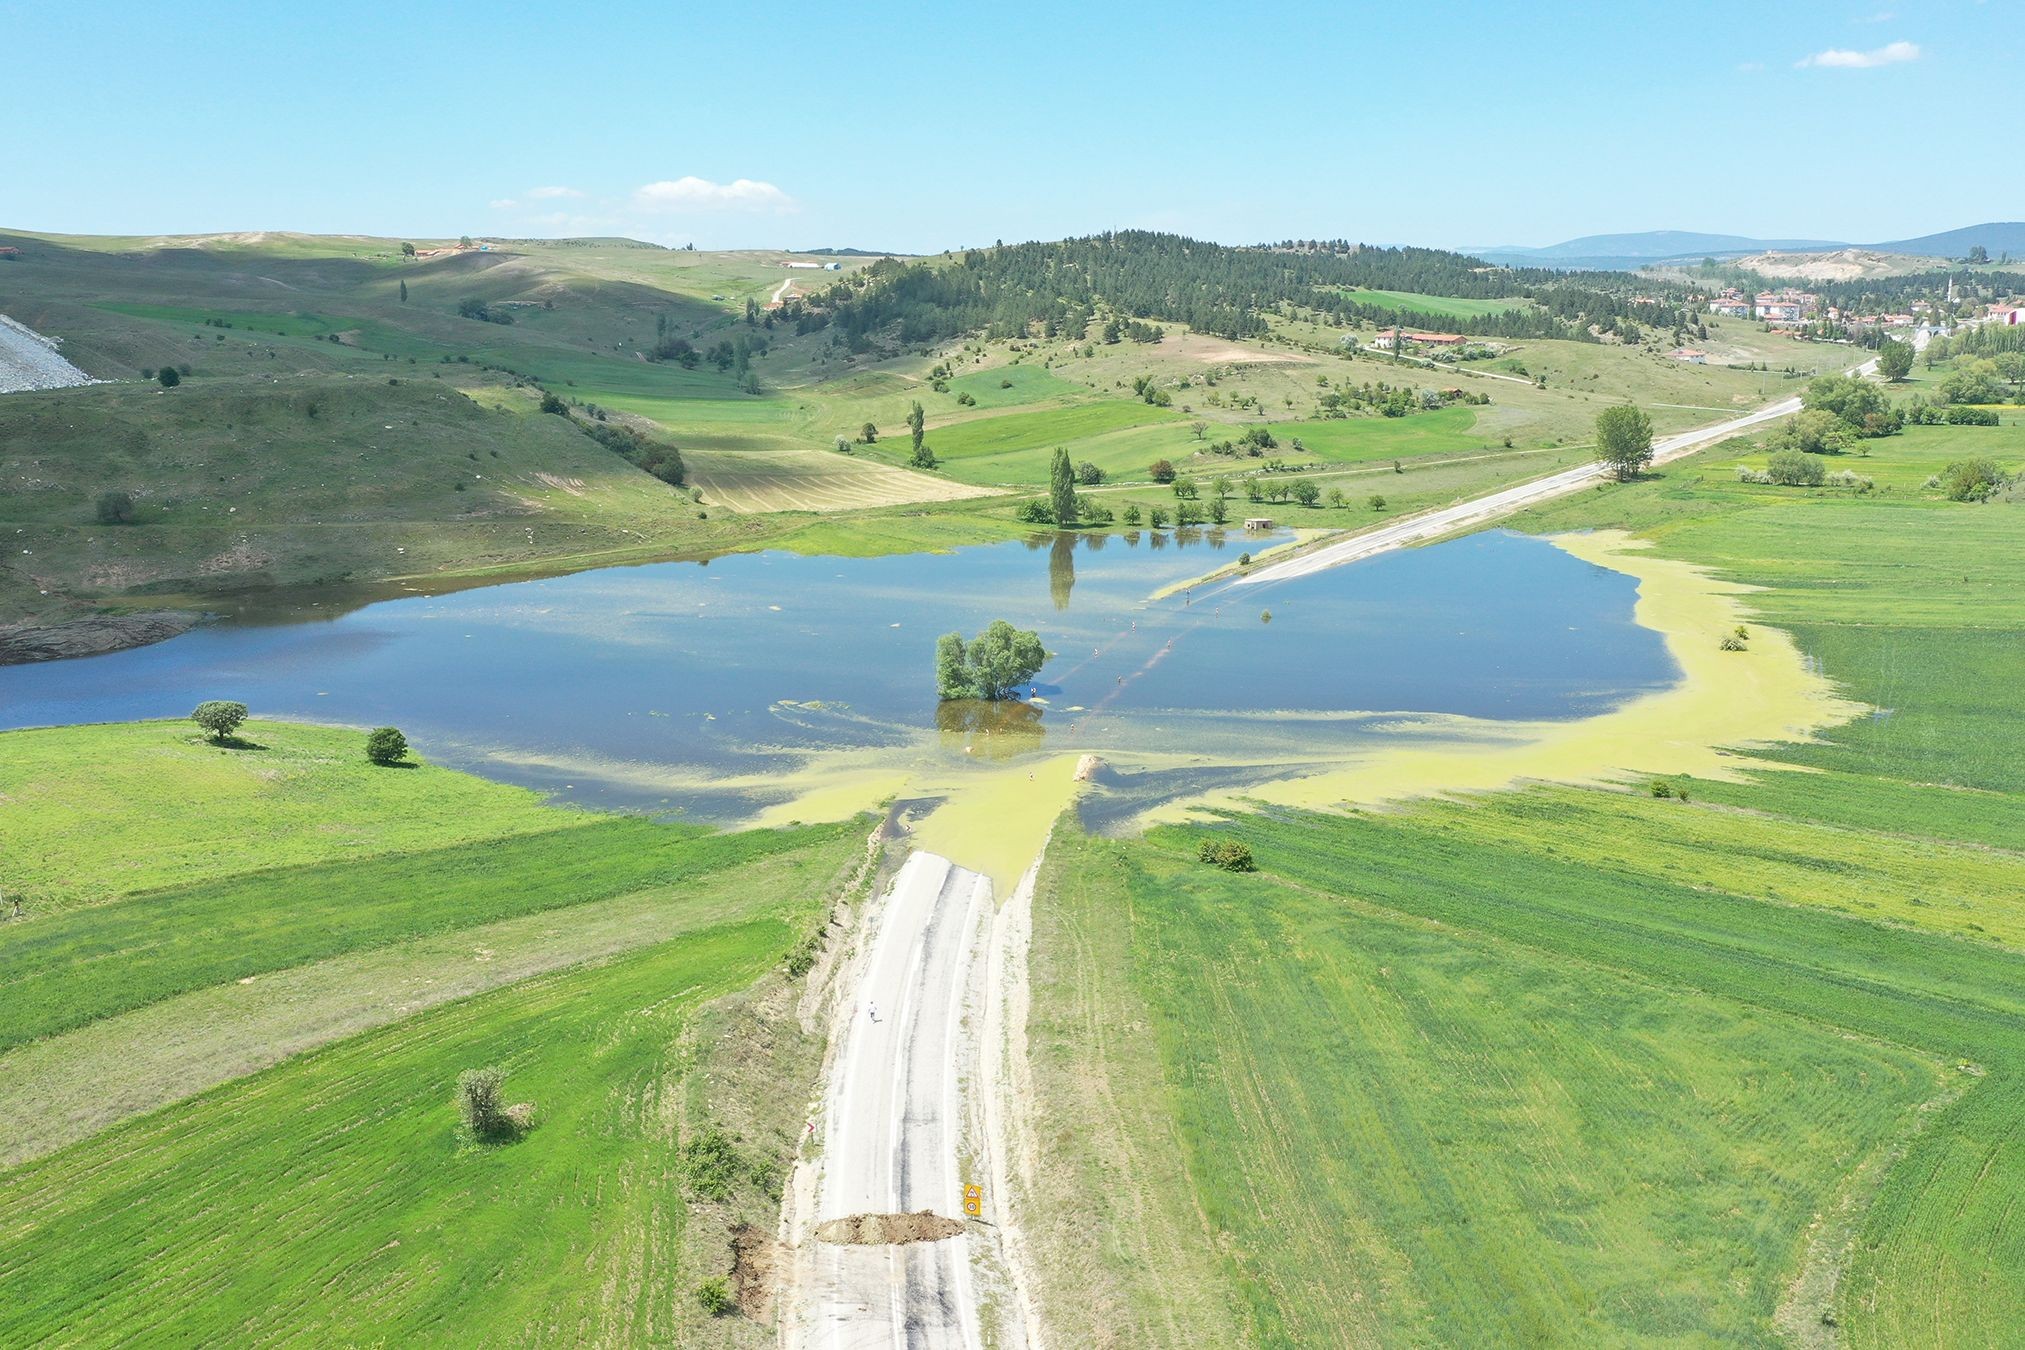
<point x="897" y="1131"/>
<point x="1447" y="520"/>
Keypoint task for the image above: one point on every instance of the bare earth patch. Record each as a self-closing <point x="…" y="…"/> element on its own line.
<point x="1216" y="351"/>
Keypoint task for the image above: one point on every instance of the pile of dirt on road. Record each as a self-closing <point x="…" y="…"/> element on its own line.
<point x="755" y="1257"/>
<point x="877" y="1230"/>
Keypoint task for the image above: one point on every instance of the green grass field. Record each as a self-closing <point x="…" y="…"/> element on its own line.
<point x="299" y="795"/>
<point x="256" y="1029"/>
<point x="374" y="1222"/>
<point x="1576" y="1066"/>
<point x="1453" y="306"/>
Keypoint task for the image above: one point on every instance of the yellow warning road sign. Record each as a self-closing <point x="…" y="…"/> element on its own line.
<point x="973" y="1201"/>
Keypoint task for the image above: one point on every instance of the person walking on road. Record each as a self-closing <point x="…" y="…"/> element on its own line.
<point x="872" y="1011"/>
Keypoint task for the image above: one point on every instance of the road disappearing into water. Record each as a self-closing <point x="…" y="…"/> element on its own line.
<point x="1441" y="522"/>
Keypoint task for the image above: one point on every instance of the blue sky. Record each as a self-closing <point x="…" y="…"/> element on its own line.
<point x="920" y="127"/>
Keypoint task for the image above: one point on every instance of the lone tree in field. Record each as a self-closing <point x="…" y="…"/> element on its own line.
<point x="386" y="745"/>
<point x="1161" y="472"/>
<point x="407" y="250"/>
<point x="1894" y="359"/>
<point x="1624" y="440"/>
<point x="992" y="666"/>
<point x="917" y="425"/>
<point x="404" y="288"/>
<point x="169" y="376"/>
<point x="115" y="508"/>
<point x="869" y="435"/>
<point x="1062" y="487"/>
<point x="219" y="717"/>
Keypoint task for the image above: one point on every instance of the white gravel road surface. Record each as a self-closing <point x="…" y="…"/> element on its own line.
<point x="894" y="1122"/>
<point x="29" y="360"/>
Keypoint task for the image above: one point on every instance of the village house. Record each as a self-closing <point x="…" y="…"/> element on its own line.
<point x="1694" y="356"/>
<point x="1787" y="306"/>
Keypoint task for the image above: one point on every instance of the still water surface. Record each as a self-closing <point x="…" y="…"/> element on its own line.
<point x="703" y="687"/>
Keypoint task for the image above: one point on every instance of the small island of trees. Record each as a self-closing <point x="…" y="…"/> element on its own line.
<point x="991" y="666"/>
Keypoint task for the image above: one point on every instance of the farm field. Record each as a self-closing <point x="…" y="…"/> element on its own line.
<point x="1455" y="306"/>
<point x="300" y="999"/>
<point x="809" y="480"/>
<point x="1403" y="1016"/>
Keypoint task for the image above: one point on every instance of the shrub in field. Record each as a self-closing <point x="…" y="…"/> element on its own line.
<point x="386" y="745"/>
<point x="714" y="1297"/>
<point x="219" y="717"/>
<point x="1161" y="471"/>
<point x="481" y="1106"/>
<point x="1232" y="855"/>
<point x="1971" y="480"/>
<point x="169" y="377"/>
<point x="115" y="508"/>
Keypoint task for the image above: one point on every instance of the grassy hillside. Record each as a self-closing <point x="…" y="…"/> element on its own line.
<point x="319" y="436"/>
<point x="1572" y="1065"/>
<point x="267" y="1045"/>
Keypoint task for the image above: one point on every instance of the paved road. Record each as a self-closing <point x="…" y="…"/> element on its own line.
<point x="893" y="1120"/>
<point x="1446" y="520"/>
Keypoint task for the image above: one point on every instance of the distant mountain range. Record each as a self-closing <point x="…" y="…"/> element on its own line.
<point x="1627" y="252"/>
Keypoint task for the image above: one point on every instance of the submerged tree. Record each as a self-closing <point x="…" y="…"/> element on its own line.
<point x="991" y="666"/>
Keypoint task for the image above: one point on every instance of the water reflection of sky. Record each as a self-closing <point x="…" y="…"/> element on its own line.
<point x="746" y="664"/>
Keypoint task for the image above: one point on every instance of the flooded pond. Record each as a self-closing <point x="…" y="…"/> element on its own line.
<point x="707" y="688"/>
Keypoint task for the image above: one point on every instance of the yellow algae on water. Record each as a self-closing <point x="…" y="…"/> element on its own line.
<point x="834" y="795"/>
<point x="1725" y="701"/>
<point x="996" y="820"/>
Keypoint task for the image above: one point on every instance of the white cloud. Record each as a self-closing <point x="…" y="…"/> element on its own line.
<point x="1839" y="58"/>
<point x="550" y="193"/>
<point x="700" y="194"/>
<point x="502" y="203"/>
<point x="1882" y="16"/>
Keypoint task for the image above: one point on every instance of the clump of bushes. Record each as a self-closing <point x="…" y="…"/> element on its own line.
<point x="1737" y="640"/>
<point x="714" y="1297"/>
<point x="481" y="1105"/>
<point x="1669" y="788"/>
<point x="115" y="507"/>
<point x="710" y="1164"/>
<point x="658" y="458"/>
<point x="1846" y="478"/>
<point x="1232" y="855"/>
<point x="1970" y="480"/>
<point x="386" y="745"/>
<point x="1795" y="468"/>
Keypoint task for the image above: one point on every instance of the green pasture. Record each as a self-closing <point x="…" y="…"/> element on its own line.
<point x="1456" y="307"/>
<point x="1732" y="1069"/>
<point x="100" y="812"/>
<point x="332" y="1197"/>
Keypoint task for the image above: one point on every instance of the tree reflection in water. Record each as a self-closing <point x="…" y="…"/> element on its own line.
<point x="988" y="729"/>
